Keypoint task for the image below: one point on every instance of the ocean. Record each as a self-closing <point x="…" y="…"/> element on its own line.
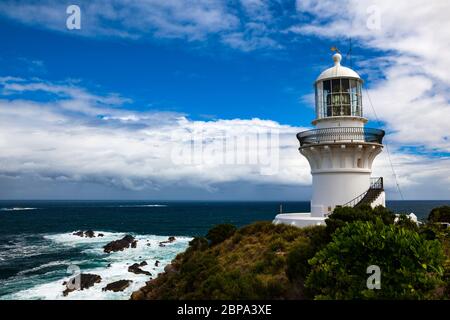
<point x="37" y="244"/>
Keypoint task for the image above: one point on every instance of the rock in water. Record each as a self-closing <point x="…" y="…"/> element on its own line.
<point x="119" y="245"/>
<point x="143" y="263"/>
<point x="134" y="244"/>
<point x="157" y="263"/>
<point x="170" y="240"/>
<point x="117" y="285"/>
<point x="87" y="280"/>
<point x="79" y="233"/>
<point x="135" y="268"/>
<point x="100" y="235"/>
<point x="89" y="234"/>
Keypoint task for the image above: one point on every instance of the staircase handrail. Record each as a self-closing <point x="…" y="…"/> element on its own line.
<point x="375" y="183"/>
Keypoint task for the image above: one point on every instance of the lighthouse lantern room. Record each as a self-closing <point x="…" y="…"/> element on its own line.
<point x="340" y="150"/>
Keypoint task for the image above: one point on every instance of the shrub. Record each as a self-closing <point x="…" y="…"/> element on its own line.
<point x="343" y="215"/>
<point x="405" y="222"/>
<point x="198" y="244"/>
<point x="440" y="214"/>
<point x="411" y="266"/>
<point x="220" y="233"/>
<point x="305" y="248"/>
<point x="429" y="231"/>
<point x="297" y="266"/>
<point x="257" y="227"/>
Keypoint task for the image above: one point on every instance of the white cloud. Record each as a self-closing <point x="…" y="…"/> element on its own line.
<point x="81" y="135"/>
<point x="254" y="37"/>
<point x="191" y="20"/>
<point x="85" y="137"/>
<point x="170" y="18"/>
<point x="106" y="144"/>
<point x="410" y="84"/>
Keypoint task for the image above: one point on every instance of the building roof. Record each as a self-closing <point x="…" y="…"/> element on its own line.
<point x="337" y="71"/>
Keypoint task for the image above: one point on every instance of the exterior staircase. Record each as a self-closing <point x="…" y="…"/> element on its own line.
<point x="369" y="196"/>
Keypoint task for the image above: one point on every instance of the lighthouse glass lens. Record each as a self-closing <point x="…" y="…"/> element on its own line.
<point x="338" y="97"/>
<point x="345" y="97"/>
<point x="345" y="85"/>
<point x="327" y="99"/>
<point x="355" y="106"/>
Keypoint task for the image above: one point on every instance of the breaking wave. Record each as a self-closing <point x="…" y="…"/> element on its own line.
<point x="143" y="205"/>
<point x="45" y="281"/>
<point x="17" y="209"/>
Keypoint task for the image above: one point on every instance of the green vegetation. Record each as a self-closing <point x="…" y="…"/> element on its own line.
<point x="440" y="214"/>
<point x="267" y="261"/>
<point x="220" y="233"/>
<point x="411" y="266"/>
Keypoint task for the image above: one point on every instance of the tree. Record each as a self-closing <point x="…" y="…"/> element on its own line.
<point x="411" y="266"/>
<point x="344" y="215"/>
<point x="440" y="214"/>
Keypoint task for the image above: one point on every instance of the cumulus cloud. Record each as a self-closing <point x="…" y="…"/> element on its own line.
<point x="81" y="137"/>
<point x="168" y="19"/>
<point x="410" y="84"/>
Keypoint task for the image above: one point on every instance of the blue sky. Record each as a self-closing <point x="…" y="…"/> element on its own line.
<point x="85" y="111"/>
<point x="201" y="80"/>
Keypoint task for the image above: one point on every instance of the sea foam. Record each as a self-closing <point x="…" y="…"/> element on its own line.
<point x="142" y="205"/>
<point x="111" y="267"/>
<point x="17" y="209"/>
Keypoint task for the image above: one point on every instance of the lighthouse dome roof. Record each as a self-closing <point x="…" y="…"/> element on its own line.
<point x="338" y="71"/>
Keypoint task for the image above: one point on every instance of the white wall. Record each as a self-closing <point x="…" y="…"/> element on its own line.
<point x="381" y="200"/>
<point x="339" y="122"/>
<point x="332" y="189"/>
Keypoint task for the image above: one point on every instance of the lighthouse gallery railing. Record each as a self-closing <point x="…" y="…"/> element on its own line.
<point x="340" y="134"/>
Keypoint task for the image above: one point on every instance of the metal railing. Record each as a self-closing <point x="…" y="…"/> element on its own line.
<point x="375" y="184"/>
<point x="339" y="134"/>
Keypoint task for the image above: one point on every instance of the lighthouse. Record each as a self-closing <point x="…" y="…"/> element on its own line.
<point x="340" y="149"/>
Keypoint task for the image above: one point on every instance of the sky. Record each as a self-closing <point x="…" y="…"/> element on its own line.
<point x="114" y="109"/>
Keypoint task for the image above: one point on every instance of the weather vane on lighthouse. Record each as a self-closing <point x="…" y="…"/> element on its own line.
<point x="340" y="150"/>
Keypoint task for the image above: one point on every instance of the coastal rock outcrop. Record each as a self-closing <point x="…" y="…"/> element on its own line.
<point x="120" y="245"/>
<point x="87" y="234"/>
<point x="170" y="268"/>
<point x="87" y="280"/>
<point x="146" y="291"/>
<point x="117" y="285"/>
<point x="135" y="268"/>
<point x="169" y="240"/>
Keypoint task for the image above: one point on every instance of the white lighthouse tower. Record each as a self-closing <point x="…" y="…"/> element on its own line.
<point x="340" y="150"/>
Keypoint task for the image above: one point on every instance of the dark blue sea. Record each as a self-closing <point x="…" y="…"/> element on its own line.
<point x="37" y="244"/>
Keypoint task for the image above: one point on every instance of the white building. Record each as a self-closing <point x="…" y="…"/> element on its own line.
<point x="340" y="150"/>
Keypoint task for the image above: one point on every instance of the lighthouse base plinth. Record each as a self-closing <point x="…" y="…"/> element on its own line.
<point x="299" y="219"/>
